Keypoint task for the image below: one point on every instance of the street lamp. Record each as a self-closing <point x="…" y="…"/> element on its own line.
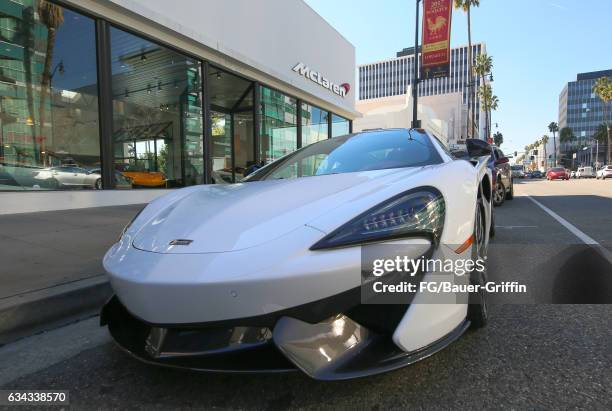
<point x="415" y="80"/>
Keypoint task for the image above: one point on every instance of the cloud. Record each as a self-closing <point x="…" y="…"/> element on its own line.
<point x="558" y="6"/>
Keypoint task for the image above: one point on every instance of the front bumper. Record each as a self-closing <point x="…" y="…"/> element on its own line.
<point x="336" y="348"/>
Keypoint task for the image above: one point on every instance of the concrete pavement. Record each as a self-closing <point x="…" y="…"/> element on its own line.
<point x="51" y="271"/>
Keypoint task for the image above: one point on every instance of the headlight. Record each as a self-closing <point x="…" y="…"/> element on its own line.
<point x="415" y="213"/>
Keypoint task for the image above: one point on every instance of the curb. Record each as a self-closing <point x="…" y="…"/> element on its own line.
<point x="30" y="313"/>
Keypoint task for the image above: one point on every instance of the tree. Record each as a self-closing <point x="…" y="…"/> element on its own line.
<point x="553" y="128"/>
<point x="566" y="135"/>
<point x="52" y="16"/>
<point x="544" y="141"/>
<point x="601" y="133"/>
<point x="466" y="5"/>
<point x="482" y="67"/>
<point x="498" y="139"/>
<point x="603" y="90"/>
<point x="489" y="101"/>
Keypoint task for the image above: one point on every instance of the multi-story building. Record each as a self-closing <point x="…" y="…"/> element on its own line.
<point x="394" y="76"/>
<point x="581" y="110"/>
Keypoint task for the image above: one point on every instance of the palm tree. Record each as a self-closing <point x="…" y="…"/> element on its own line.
<point x="603" y="90"/>
<point x="498" y="139"/>
<point x="553" y="128"/>
<point x="544" y="141"/>
<point x="566" y="134"/>
<point x="601" y="133"/>
<point x="466" y="5"/>
<point x="493" y="103"/>
<point x="489" y="101"/>
<point x="482" y="67"/>
<point x="52" y="16"/>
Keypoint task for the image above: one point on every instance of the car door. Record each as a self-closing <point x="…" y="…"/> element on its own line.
<point x="82" y="177"/>
<point x="504" y="168"/>
<point x="64" y="175"/>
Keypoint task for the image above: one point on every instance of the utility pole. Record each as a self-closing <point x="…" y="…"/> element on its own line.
<point x="415" y="80"/>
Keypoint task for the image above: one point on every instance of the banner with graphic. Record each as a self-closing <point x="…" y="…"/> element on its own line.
<point x="435" y="56"/>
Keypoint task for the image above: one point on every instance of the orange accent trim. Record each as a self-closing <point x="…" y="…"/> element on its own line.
<point x="465" y="244"/>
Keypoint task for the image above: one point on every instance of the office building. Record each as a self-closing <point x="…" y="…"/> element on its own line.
<point x="393" y="77"/>
<point x="582" y="111"/>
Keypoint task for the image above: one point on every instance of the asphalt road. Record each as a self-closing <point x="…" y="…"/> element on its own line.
<point x="531" y="355"/>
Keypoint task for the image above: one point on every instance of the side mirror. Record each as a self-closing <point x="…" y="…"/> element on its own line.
<point x="502" y="160"/>
<point x="477" y="148"/>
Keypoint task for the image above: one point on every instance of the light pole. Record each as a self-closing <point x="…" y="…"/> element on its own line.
<point x="415" y="80"/>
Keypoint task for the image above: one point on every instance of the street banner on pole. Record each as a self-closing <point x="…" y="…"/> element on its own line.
<point x="435" y="54"/>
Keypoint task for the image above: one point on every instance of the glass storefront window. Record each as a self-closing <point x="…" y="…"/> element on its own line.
<point x="221" y="148"/>
<point x="278" y="125"/>
<point x="157" y="113"/>
<point x="231" y="102"/>
<point x="49" y="136"/>
<point x="340" y="126"/>
<point x="314" y="124"/>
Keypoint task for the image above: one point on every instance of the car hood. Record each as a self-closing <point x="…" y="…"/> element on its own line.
<point x="221" y="218"/>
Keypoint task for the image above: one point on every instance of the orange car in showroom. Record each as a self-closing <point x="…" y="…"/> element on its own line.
<point x="143" y="177"/>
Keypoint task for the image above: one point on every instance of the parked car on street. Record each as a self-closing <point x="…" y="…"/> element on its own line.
<point x="585" y="172"/>
<point x="517" y="172"/>
<point x="503" y="182"/>
<point x="604" y="172"/>
<point x="557" y="173"/>
<point x="537" y="174"/>
<point x="274" y="289"/>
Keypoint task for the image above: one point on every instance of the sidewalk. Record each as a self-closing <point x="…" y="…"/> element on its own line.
<point x="51" y="263"/>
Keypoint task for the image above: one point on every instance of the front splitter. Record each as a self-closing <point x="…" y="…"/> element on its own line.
<point x="334" y="349"/>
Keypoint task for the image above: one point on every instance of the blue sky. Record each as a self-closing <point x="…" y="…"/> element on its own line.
<point x="537" y="46"/>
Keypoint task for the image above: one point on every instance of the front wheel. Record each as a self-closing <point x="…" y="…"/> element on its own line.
<point x="98" y="184"/>
<point x="478" y="311"/>
<point x="499" y="195"/>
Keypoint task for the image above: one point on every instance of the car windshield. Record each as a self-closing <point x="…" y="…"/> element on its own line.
<point x="558" y="169"/>
<point x="374" y="150"/>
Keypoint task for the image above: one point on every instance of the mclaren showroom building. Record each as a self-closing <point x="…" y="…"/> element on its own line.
<point x="110" y="102"/>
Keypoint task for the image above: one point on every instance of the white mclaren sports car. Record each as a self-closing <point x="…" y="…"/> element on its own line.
<point x="267" y="275"/>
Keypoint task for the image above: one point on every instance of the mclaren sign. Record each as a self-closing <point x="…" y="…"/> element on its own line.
<point x="320" y="79"/>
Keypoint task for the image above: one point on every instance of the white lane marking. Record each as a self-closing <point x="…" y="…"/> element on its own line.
<point x="585" y="238"/>
<point x="573" y="229"/>
<point x="512" y="227"/>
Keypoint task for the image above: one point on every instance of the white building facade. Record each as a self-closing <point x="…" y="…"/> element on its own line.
<point x="443" y="115"/>
<point x="393" y="77"/>
<point x="125" y="99"/>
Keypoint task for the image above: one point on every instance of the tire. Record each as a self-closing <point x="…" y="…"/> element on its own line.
<point x="510" y="193"/>
<point x="98" y="184"/>
<point x="499" y="195"/>
<point x="492" y="229"/>
<point x="478" y="311"/>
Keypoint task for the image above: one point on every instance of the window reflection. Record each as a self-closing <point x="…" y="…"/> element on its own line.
<point x="231" y="102"/>
<point x="314" y="124"/>
<point x="340" y="126"/>
<point x="48" y="98"/>
<point x="278" y="133"/>
<point x="157" y="100"/>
